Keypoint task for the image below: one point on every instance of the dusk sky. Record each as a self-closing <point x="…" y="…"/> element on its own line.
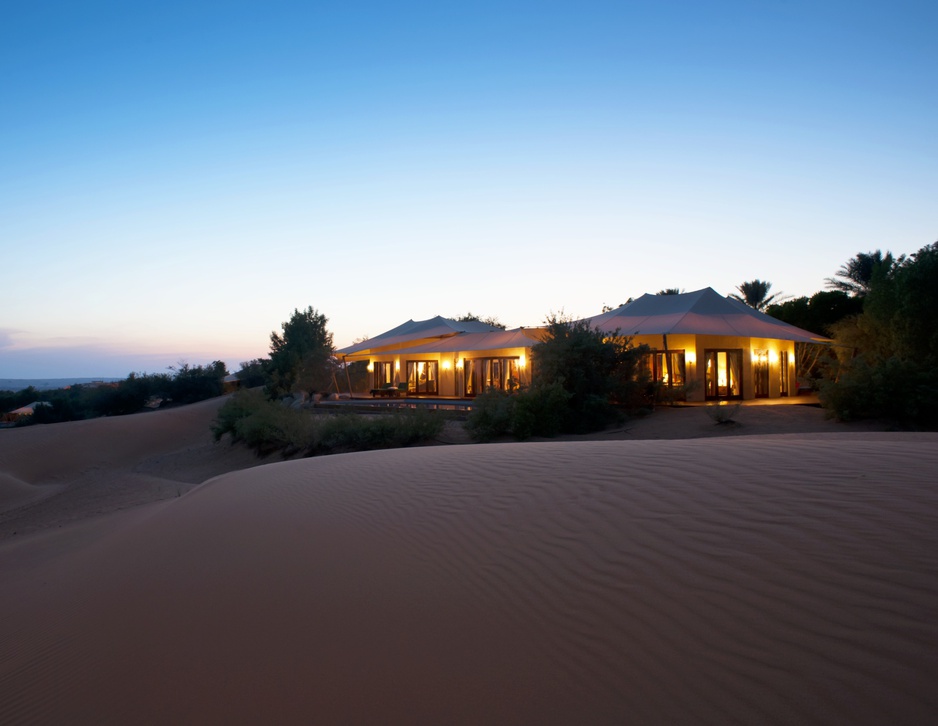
<point x="176" y="178"/>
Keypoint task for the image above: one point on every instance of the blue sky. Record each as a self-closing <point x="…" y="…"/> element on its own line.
<point x="176" y="178"/>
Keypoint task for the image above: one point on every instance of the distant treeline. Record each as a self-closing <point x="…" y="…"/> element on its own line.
<point x="183" y="384"/>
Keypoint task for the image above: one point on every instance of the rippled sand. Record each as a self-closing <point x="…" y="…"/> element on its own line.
<point x="770" y="580"/>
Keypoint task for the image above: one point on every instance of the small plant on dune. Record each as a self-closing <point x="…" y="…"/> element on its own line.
<point x="723" y="412"/>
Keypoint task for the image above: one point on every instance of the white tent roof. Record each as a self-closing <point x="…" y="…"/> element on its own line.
<point x="702" y="312"/>
<point x="470" y="342"/>
<point x="438" y="327"/>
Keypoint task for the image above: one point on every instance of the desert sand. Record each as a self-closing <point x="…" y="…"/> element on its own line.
<point x="783" y="571"/>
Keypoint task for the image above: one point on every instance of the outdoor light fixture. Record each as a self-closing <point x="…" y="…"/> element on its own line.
<point x="522" y="361"/>
<point x="445" y="365"/>
<point x="371" y="367"/>
<point x="690" y="358"/>
<point x="397" y="364"/>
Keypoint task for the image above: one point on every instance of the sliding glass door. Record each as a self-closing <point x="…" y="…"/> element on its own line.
<point x="423" y="377"/>
<point x="724" y="373"/>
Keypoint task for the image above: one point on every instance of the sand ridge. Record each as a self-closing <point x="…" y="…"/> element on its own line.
<point x="757" y="579"/>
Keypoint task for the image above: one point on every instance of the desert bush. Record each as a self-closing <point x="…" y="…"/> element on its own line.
<point x="268" y="427"/>
<point x="723" y="412"/>
<point x="491" y="415"/>
<point x="354" y="432"/>
<point x="542" y="410"/>
<point x="598" y="370"/>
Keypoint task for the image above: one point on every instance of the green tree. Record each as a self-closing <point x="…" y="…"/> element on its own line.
<point x="595" y="368"/>
<point x="254" y="373"/>
<point x="670" y="291"/>
<point x="888" y="355"/>
<point x="301" y="357"/>
<point x="755" y="294"/>
<point x="856" y="275"/>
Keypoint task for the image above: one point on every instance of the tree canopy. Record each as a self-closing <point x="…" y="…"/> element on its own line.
<point x="301" y="357"/>
<point x="888" y="354"/>
<point x="755" y="294"/>
<point x="856" y="275"/>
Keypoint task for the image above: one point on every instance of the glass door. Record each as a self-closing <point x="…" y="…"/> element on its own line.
<point x="422" y="376"/>
<point x="783" y="372"/>
<point x="724" y="373"/>
<point x="760" y="373"/>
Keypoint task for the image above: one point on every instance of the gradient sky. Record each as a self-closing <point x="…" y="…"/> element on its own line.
<point x="177" y="177"/>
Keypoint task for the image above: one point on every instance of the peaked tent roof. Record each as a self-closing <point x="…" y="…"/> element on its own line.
<point x="702" y="312"/>
<point x="469" y="342"/>
<point x="438" y="327"/>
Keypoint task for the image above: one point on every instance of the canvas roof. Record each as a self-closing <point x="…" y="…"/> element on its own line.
<point x="702" y="312"/>
<point x="470" y="342"/>
<point x="30" y="408"/>
<point x="414" y="330"/>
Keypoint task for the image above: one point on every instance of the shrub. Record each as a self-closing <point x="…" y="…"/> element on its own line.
<point x="542" y="410"/>
<point x="268" y="427"/>
<point x="723" y="412"/>
<point x="492" y="415"/>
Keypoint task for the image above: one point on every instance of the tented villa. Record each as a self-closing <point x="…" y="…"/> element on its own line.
<point x="708" y="346"/>
<point x="713" y="346"/>
<point x="442" y="357"/>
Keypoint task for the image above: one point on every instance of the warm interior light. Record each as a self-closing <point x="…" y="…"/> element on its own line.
<point x="522" y="361"/>
<point x="397" y="365"/>
<point x="459" y="364"/>
<point x="371" y="367"/>
<point x="773" y="356"/>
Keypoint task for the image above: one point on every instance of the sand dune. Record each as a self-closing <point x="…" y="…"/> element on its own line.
<point x="61" y="473"/>
<point x="776" y="579"/>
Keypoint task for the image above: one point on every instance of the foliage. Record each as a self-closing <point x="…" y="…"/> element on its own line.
<point x="184" y="384"/>
<point x="537" y="411"/>
<point x="610" y="308"/>
<point x="254" y="373"/>
<point x="888" y="355"/>
<point x="12" y="400"/>
<point x="670" y="291"/>
<point x="818" y="313"/>
<point x="598" y="370"/>
<point x="301" y="358"/>
<point x="581" y="375"/>
<point x="196" y="383"/>
<point x="821" y="313"/>
<point x="755" y="294"/>
<point x="855" y="277"/>
<point x="268" y="426"/>
<point x="357" y="376"/>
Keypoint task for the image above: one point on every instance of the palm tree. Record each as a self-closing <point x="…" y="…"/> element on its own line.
<point x="670" y="291"/>
<point x="856" y="275"/>
<point x="755" y="294"/>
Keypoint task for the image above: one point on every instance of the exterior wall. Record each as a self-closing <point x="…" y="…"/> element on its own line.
<point x="695" y="347"/>
<point x="450" y="365"/>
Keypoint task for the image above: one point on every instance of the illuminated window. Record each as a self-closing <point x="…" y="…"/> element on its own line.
<point x="423" y="377"/>
<point x="666" y="368"/>
<point x="480" y="374"/>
